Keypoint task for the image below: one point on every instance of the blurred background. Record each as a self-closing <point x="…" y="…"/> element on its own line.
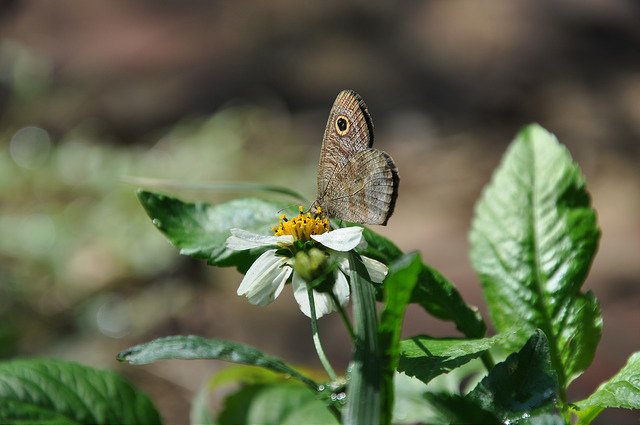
<point x="92" y="93"/>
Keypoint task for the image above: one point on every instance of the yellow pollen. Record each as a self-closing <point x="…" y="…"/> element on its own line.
<point x="303" y="225"/>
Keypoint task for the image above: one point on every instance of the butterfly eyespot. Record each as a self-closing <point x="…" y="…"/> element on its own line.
<point x="342" y="125"/>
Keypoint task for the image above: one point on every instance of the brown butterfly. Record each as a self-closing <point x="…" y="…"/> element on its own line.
<point x="355" y="182"/>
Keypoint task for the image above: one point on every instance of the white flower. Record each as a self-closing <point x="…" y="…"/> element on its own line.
<point x="267" y="276"/>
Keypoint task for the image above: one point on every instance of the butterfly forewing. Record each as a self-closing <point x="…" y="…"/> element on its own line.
<point x="336" y="148"/>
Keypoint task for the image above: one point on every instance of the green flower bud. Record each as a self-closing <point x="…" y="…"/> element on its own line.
<point x="310" y="265"/>
<point x="315" y="268"/>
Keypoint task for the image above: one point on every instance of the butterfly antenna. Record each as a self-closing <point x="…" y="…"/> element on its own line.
<point x="286" y="208"/>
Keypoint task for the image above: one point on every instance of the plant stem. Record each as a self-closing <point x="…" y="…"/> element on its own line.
<point x="364" y="396"/>
<point x="487" y="360"/>
<point x="343" y="316"/>
<point x="316" y="338"/>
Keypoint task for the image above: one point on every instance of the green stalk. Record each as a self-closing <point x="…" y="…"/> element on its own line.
<point x="316" y="338"/>
<point x="343" y="316"/>
<point x="364" y="402"/>
<point x="487" y="360"/>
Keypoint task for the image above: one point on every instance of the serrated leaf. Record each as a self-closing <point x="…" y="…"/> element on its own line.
<point x="190" y="347"/>
<point x="621" y="391"/>
<point x="200" y="229"/>
<point x="398" y="287"/>
<point x="274" y="404"/>
<point x="55" y="391"/>
<point x="364" y="401"/>
<point x="425" y="357"/>
<point x="523" y="385"/>
<point x="533" y="238"/>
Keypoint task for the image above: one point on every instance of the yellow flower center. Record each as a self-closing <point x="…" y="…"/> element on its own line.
<point x="303" y="225"/>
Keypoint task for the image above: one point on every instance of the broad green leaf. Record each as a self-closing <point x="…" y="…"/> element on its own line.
<point x="439" y="297"/>
<point x="425" y="357"/>
<point x="274" y="404"/>
<point x="268" y="383"/>
<point x="456" y="409"/>
<point x="533" y="238"/>
<point x="244" y="374"/>
<point x="364" y="401"/>
<point x="433" y="292"/>
<point x="380" y="248"/>
<point x="525" y="384"/>
<point x="621" y="391"/>
<point x="55" y="391"/>
<point x="398" y="287"/>
<point x="200" y="229"/>
<point x="189" y="347"/>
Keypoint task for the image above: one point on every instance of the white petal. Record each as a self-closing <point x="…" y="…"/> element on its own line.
<point x="342" y="239"/>
<point x="241" y="240"/>
<point x="341" y="288"/>
<point x="377" y="270"/>
<point x="323" y="302"/>
<point x="265" y="278"/>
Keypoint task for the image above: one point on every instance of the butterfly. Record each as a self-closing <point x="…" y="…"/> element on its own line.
<point x="355" y="181"/>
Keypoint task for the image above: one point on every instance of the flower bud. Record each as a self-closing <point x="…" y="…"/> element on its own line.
<point x="311" y="265"/>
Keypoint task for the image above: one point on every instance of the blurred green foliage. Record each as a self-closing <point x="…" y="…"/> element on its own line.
<point x="72" y="233"/>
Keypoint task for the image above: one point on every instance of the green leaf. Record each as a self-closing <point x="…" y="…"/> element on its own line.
<point x="533" y="238"/>
<point x="54" y="391"/>
<point x="364" y="402"/>
<point x="398" y="287"/>
<point x="433" y="292"/>
<point x="274" y="404"/>
<point x="621" y="391"/>
<point x="425" y="357"/>
<point x="462" y="410"/>
<point x="200" y="412"/>
<point x="259" y="388"/>
<point x="379" y="248"/>
<point x="200" y="229"/>
<point x="456" y="409"/>
<point x="189" y="347"/>
<point x="439" y="297"/>
<point x="523" y="385"/>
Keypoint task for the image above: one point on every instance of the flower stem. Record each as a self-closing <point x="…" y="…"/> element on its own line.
<point x="343" y="316"/>
<point x="487" y="360"/>
<point x="316" y="338"/>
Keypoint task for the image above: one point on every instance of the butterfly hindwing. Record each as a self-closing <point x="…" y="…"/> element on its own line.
<point x="371" y="193"/>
